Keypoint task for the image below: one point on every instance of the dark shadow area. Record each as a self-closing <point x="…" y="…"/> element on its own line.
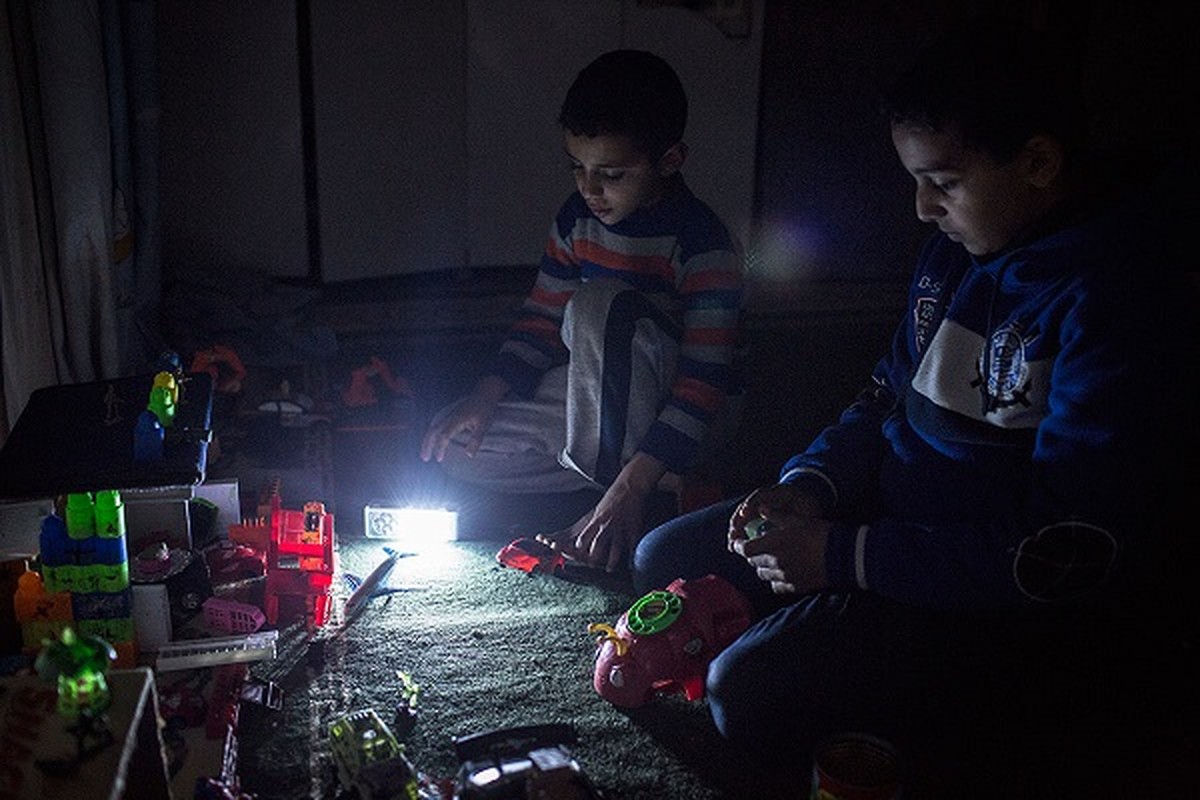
<point x="686" y="730"/>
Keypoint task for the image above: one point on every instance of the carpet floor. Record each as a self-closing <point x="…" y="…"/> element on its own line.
<point x="490" y="647"/>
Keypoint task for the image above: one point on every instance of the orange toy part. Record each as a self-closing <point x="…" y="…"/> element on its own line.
<point x="361" y="391"/>
<point x="223" y="364"/>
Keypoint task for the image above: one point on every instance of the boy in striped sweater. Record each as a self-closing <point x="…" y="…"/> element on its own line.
<point x="616" y="374"/>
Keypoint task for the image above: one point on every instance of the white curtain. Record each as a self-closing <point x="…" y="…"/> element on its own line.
<point x="73" y="139"/>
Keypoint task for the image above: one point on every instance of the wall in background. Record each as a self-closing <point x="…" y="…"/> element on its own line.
<point x="231" y="165"/>
<point x="833" y="202"/>
<point x="436" y="146"/>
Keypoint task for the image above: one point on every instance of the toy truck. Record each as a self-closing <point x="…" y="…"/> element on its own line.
<point x="370" y="759"/>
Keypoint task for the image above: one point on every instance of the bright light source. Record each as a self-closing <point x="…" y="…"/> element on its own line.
<point x="414" y="526"/>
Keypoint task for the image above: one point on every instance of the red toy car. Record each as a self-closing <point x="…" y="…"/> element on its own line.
<point x="530" y="555"/>
<point x="229" y="562"/>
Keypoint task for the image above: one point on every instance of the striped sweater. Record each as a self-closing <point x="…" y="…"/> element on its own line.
<point x="681" y="256"/>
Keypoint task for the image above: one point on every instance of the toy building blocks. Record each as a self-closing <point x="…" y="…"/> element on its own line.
<point x="108" y="615"/>
<point x="168" y="381"/>
<point x="149" y="438"/>
<point x="81" y="515"/>
<point x="81" y="563"/>
<point x="169" y="361"/>
<point x="109" y="512"/>
<point x="665" y="641"/>
<point x="162" y="404"/>
<point x="83" y="554"/>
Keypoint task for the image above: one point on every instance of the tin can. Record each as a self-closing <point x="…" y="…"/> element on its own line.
<point x="856" y="766"/>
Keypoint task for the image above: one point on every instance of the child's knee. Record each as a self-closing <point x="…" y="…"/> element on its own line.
<point x="730" y="697"/>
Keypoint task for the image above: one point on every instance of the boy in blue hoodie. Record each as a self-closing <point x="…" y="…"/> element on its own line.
<point x="982" y="559"/>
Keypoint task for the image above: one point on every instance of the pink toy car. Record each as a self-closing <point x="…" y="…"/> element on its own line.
<point x="665" y="641"/>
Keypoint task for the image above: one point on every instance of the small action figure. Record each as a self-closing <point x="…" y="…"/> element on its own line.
<point x="78" y="665"/>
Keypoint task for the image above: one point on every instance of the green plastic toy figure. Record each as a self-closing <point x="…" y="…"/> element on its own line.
<point x="78" y="665"/>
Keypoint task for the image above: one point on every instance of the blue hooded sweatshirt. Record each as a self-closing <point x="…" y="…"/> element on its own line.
<point x="1026" y="440"/>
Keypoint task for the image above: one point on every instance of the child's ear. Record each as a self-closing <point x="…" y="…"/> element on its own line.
<point x="671" y="161"/>
<point x="1044" y="160"/>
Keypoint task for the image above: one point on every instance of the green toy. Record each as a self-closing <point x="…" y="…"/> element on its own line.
<point x="654" y="612"/>
<point x="78" y="665"/>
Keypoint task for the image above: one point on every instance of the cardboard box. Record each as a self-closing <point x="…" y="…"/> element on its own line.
<point x="151" y="616"/>
<point x="157" y="515"/>
<point x="224" y="494"/>
<point x="21" y="527"/>
<point x="132" y="767"/>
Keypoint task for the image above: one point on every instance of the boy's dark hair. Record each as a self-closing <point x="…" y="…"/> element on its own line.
<point x="994" y="83"/>
<point x="631" y="93"/>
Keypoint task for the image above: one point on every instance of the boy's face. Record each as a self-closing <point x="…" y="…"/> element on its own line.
<point x="613" y="175"/>
<point x="973" y="199"/>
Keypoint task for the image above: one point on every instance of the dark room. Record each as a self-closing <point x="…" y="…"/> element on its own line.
<point x="598" y="400"/>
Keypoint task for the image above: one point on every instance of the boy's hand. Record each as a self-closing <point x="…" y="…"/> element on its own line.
<point x="770" y="502"/>
<point x="790" y="555"/>
<point x="789" y="551"/>
<point x="471" y="415"/>
<point x="606" y="535"/>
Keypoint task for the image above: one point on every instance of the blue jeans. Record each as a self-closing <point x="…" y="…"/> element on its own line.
<point x="1027" y="694"/>
<point x="810" y="665"/>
